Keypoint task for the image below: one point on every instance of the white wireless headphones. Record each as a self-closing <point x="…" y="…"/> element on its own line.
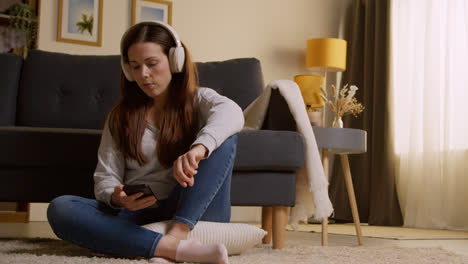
<point x="176" y="54"/>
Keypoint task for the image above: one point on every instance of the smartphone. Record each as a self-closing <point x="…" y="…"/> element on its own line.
<point x="144" y="188"/>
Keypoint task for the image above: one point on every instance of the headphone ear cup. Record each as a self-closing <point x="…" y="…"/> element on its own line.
<point x="177" y="59"/>
<point x="126" y="70"/>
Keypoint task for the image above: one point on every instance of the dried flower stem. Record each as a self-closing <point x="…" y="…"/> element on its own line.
<point x="343" y="101"/>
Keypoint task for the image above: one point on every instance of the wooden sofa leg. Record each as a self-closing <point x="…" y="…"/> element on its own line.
<point x="280" y="220"/>
<point x="267" y="219"/>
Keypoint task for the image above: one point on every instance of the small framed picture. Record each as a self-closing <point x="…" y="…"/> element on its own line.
<point x="144" y="10"/>
<point x="80" y="22"/>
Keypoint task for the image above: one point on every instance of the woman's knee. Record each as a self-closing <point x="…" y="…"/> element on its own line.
<point x="231" y="141"/>
<point x="59" y="204"/>
<point x="62" y="207"/>
<point x="57" y="211"/>
<point x="228" y="146"/>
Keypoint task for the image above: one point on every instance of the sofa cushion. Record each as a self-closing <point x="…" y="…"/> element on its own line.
<point x="49" y="147"/>
<point x="10" y="71"/>
<point x="268" y="150"/>
<point x="47" y="158"/>
<point x="67" y="91"/>
<point x="239" y="79"/>
<point x="257" y="150"/>
<point x="43" y="184"/>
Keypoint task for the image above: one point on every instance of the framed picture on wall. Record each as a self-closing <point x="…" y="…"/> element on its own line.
<point x="159" y="10"/>
<point x="80" y="22"/>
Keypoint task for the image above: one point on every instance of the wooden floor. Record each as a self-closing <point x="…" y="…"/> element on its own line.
<point x="457" y="245"/>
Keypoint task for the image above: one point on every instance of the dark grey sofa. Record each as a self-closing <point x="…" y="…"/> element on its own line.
<point x="53" y="106"/>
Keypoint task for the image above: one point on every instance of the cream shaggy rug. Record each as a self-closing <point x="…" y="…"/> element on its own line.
<point x="52" y="251"/>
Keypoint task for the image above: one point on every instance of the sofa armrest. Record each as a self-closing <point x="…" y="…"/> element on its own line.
<point x="268" y="150"/>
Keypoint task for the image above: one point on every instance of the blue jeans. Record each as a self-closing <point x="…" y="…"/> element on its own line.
<point x="95" y="225"/>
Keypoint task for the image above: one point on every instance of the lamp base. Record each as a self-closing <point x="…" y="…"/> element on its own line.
<point x="315" y="117"/>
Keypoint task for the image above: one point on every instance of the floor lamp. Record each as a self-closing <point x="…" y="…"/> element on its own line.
<point x="326" y="55"/>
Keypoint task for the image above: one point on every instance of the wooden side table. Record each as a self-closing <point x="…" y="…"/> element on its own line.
<point x="341" y="141"/>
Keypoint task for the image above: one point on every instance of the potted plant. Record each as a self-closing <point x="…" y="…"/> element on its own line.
<point x="24" y="20"/>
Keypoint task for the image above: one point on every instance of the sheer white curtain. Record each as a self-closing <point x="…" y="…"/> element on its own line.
<point x="430" y="99"/>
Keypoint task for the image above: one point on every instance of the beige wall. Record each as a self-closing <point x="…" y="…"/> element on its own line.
<point x="274" y="31"/>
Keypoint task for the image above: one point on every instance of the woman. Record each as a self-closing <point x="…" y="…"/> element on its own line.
<point x="169" y="134"/>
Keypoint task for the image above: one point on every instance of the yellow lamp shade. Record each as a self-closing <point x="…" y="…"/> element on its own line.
<point x="310" y="89"/>
<point x="326" y="55"/>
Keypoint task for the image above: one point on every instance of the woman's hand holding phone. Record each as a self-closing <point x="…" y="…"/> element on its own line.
<point x="131" y="202"/>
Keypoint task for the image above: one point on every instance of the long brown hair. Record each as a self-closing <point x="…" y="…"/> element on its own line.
<point x="179" y="119"/>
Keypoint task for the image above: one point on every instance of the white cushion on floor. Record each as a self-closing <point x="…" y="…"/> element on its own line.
<point x="236" y="237"/>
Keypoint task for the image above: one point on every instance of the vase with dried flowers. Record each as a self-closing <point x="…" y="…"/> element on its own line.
<point x="342" y="103"/>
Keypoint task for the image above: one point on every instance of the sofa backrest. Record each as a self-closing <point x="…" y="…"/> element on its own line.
<point x="67" y="91"/>
<point x="239" y="79"/>
<point x="10" y="71"/>
<point x="77" y="91"/>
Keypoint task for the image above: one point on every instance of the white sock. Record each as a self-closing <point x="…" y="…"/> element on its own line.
<point x="193" y="251"/>
<point x="159" y="260"/>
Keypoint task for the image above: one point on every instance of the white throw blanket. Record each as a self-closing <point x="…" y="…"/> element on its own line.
<point x="311" y="185"/>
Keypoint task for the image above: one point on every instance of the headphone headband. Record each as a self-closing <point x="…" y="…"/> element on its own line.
<point x="176" y="54"/>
